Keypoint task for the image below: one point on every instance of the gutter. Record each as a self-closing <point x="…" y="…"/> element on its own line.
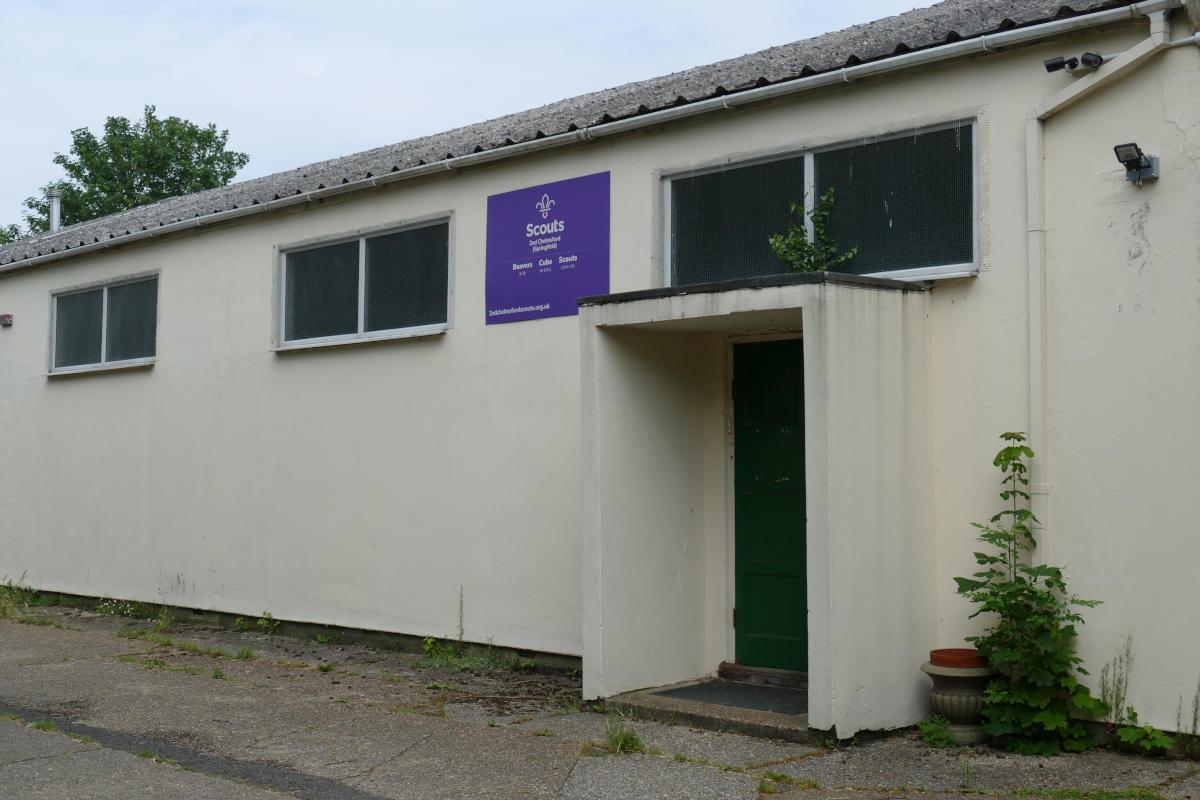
<point x="989" y="43"/>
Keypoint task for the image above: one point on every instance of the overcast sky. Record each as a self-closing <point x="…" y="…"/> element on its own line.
<point x="297" y="81"/>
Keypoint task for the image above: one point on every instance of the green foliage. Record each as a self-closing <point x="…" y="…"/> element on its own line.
<point x="164" y="621"/>
<point x="125" y="608"/>
<point x="936" y="732"/>
<point x="820" y="254"/>
<point x="134" y="163"/>
<point x="245" y="654"/>
<point x="1031" y="641"/>
<point x="459" y="657"/>
<point x="1144" y="737"/>
<point x="9" y="233"/>
<point x="240" y="624"/>
<point x="621" y="738"/>
<point x="218" y="674"/>
<point x="44" y="725"/>
<point x="327" y="666"/>
<point x="267" y="623"/>
<point x="16" y="597"/>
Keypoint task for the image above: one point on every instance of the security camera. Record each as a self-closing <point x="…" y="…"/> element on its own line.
<point x="1091" y="60"/>
<point x="1059" y="63"/>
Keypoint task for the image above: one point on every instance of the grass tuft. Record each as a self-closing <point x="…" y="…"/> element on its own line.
<point x="327" y="666"/>
<point x="244" y="654"/>
<point x="620" y="737"/>
<point x="44" y="725"/>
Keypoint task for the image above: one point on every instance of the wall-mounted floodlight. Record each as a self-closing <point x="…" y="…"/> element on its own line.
<point x="1138" y="166"/>
<point x="6" y="320"/>
<point x="1059" y="63"/>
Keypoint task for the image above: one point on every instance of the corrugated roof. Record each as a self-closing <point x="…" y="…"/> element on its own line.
<point x="945" y="22"/>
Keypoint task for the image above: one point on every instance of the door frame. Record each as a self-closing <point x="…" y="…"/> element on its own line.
<point x="730" y="489"/>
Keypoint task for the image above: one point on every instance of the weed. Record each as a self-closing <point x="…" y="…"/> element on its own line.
<point x="11" y="717"/>
<point x="1189" y="741"/>
<point x="323" y="638"/>
<point x="30" y="619"/>
<point x="438" y="686"/>
<point x="124" y="608"/>
<point x="16" y="595"/>
<point x="244" y="654"/>
<point x="154" y="663"/>
<point x="397" y="679"/>
<point x="218" y="674"/>
<point x="164" y="622"/>
<point x="82" y="739"/>
<point x="592" y="749"/>
<point x="267" y="623"/>
<point x="543" y="732"/>
<point x="680" y="757"/>
<point x="45" y="725"/>
<point x="327" y="666"/>
<point x="240" y="624"/>
<point x="966" y="775"/>
<point x="1146" y="737"/>
<point x="767" y="787"/>
<point x="936" y="732"/>
<point x="150" y="755"/>
<point x="620" y="738"/>
<point x="1114" y="683"/>
<point x="202" y="650"/>
<point x="493" y="724"/>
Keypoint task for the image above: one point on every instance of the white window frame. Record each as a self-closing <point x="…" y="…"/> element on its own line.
<point x="103" y="364"/>
<point x="941" y="272"/>
<point x="280" y="343"/>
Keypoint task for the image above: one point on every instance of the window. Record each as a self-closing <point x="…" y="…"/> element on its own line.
<point x="906" y="202"/>
<point x="107" y="325"/>
<point x="377" y="286"/>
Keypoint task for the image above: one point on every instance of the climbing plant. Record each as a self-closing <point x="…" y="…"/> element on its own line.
<point x="1033" y="707"/>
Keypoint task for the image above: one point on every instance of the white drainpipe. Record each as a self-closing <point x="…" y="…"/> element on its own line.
<point x="54" y="195"/>
<point x="1112" y="70"/>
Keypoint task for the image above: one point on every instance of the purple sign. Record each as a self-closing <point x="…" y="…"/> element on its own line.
<point x="547" y="246"/>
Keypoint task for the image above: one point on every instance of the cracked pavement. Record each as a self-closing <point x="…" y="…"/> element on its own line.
<point x="87" y="713"/>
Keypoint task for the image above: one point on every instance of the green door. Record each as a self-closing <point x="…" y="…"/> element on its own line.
<point x="771" y="613"/>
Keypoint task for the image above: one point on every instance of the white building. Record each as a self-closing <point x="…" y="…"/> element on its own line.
<point x="343" y="392"/>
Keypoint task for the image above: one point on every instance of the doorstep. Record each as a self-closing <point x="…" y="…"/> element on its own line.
<point x="742" y="708"/>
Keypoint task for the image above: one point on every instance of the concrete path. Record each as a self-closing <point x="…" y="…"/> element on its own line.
<point x="102" y="707"/>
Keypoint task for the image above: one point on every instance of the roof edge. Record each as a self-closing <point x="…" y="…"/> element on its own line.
<point x="987" y="43"/>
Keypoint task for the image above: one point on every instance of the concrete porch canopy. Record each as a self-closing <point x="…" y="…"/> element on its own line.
<point x="658" y="487"/>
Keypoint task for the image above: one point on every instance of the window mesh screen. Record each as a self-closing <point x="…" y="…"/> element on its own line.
<point x="78" y="318"/>
<point x="132" y="312"/>
<point x="407" y="278"/>
<point x="322" y="292"/>
<point x="720" y="221"/>
<point x="905" y="203"/>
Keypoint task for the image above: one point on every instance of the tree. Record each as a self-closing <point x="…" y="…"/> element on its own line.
<point x="9" y="233"/>
<point x="135" y="163"/>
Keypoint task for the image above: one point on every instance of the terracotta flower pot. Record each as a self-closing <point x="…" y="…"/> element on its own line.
<point x="961" y="657"/>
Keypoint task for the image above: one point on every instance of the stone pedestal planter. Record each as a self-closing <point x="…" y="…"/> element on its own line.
<point x="957" y="695"/>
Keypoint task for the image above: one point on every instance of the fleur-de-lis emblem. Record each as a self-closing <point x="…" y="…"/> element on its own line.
<point x="544" y="205"/>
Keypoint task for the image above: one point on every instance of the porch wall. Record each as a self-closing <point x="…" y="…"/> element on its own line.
<point x="655" y="488"/>
<point x="872" y="593"/>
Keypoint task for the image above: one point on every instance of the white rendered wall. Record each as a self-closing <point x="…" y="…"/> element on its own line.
<point x="1123" y="290"/>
